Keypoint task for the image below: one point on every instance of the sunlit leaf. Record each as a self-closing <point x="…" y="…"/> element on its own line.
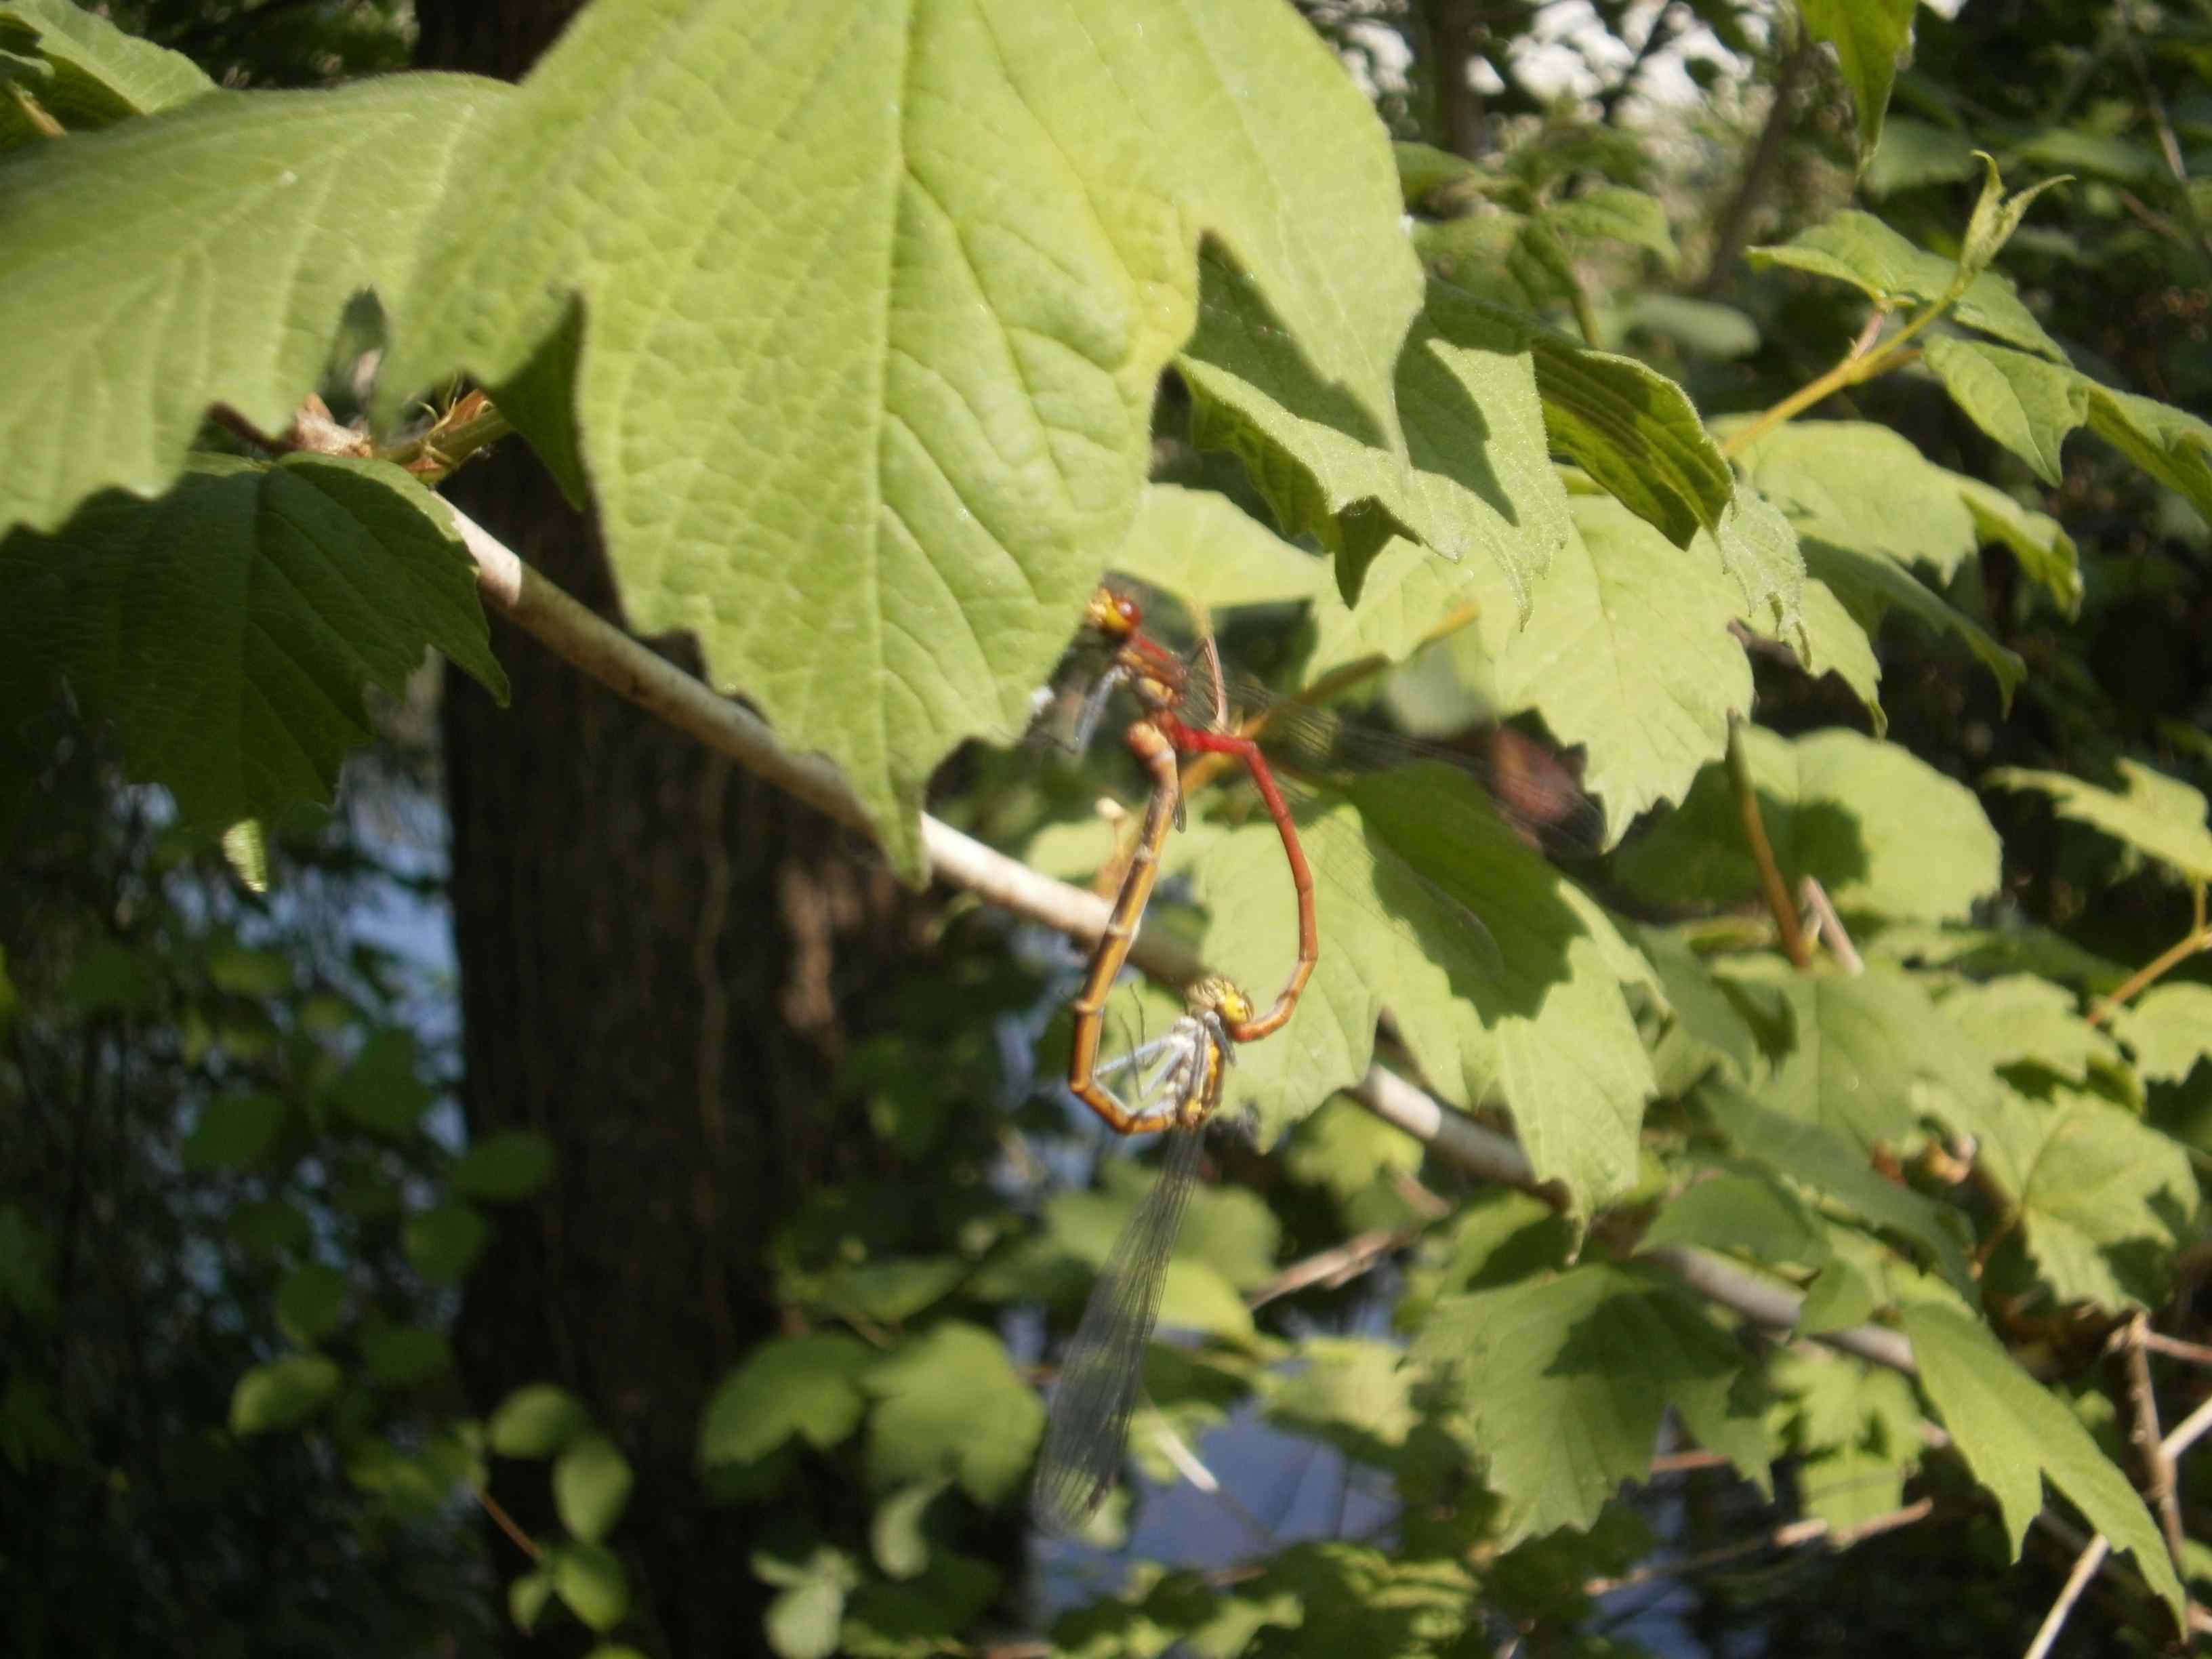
<point x="1871" y="38"/>
<point x="964" y="240"/>
<point x="2170" y="1029"/>
<point x="1745" y="1213"/>
<point x="949" y="1402"/>
<point x="2026" y="1019"/>
<point x="593" y="1581"/>
<point x="805" y="1386"/>
<point x="2026" y="403"/>
<point x="1636" y="433"/>
<point x="1212" y="556"/>
<point x="536" y="1421"/>
<point x="1882" y="830"/>
<point x="896" y="1536"/>
<point x="2013" y="1434"/>
<point x="89" y="73"/>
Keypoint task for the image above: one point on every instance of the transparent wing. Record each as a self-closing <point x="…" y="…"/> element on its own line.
<point x="1103" y="1366"/>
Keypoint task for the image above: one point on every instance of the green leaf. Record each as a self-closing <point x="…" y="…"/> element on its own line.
<point x="591" y="1483"/>
<point x="1629" y="655"/>
<point x="381" y="1089"/>
<point x="2013" y="1434"/>
<point x="109" y="974"/>
<point x="1744" y="1213"/>
<point x="878" y="246"/>
<point x="230" y="629"/>
<point x="2169" y="1030"/>
<point x="1567" y="1380"/>
<point x="895" y="1537"/>
<point x="1860" y="1044"/>
<point x="1884" y="831"/>
<point x="1863" y="487"/>
<point x="1613" y="213"/>
<point x="802" y="1621"/>
<point x="1499" y="974"/>
<point x="2025" y="402"/>
<point x="246" y="849"/>
<point x="1994" y="218"/>
<point x="805" y="1386"/>
<point x="27" y="1264"/>
<point x="949" y="1402"/>
<point x="283" y="1393"/>
<point x="310" y="1302"/>
<point x="1480" y="488"/>
<point x="417" y="1483"/>
<point x="2024" y="1019"/>
<point x="1830" y="1164"/>
<point x="526" y="1597"/>
<point x="536" y="1421"/>
<point x="1871" y="38"/>
<point x="1701" y="327"/>
<point x="2100" y="1196"/>
<point x="1213" y="557"/>
<point x="1423" y="169"/>
<point x="136" y="297"/>
<point x="1351" y="1393"/>
<point x="593" y="1581"/>
<point x="1915" y="153"/>
<point x="1859" y="249"/>
<point x="235" y="1131"/>
<point x="2046" y="551"/>
<point x="272" y="1225"/>
<point x="1637" y="432"/>
<point x="2155" y="814"/>
<point x="2173" y="446"/>
<point x="92" y="73"/>
<point x="1700" y="1009"/>
<point x="501" y="1168"/>
<point x="1758" y="546"/>
<point x="401" y="1356"/>
<point x="1870" y="586"/>
<point x="932" y="1614"/>
<point x="1829" y="639"/>
<point x="444" y="1242"/>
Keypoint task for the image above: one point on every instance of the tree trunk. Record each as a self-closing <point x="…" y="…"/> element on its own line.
<point x="656" y="973"/>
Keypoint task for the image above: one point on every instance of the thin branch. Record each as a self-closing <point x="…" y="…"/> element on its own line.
<point x="522" y="1540"/>
<point x="2085" y="1569"/>
<point x="1337" y="1265"/>
<point x="1762" y="851"/>
<point x="2195" y="1354"/>
<point x="2199" y="938"/>
<point x="1794" y="1534"/>
<point x="2159" y="1487"/>
<point x="626" y="667"/>
<point x="1828" y="926"/>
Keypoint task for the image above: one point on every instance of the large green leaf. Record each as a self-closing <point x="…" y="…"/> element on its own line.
<point x="1871" y="38"/>
<point x="2024" y="1019"/>
<point x="1629" y="654"/>
<point x="202" y="256"/>
<point x="1759" y="547"/>
<point x="1830" y="1164"/>
<point x="1870" y="586"/>
<point x="950" y="1403"/>
<point x="1480" y="487"/>
<point x="230" y="629"/>
<point x="2102" y="1198"/>
<point x="1499" y="974"/>
<point x="1859" y="249"/>
<point x="2171" y="445"/>
<point x="1212" y="556"/>
<point x="874" y="298"/>
<point x="2013" y="1434"/>
<point x="1863" y="486"/>
<point x="83" y="71"/>
<point x="1883" y="830"/>
<point x="2154" y="814"/>
<point x="1860" y="1046"/>
<point x="2039" y="541"/>
<point x="1637" y="432"/>
<point x="1567" y="1380"/>
<point x="2026" y="403"/>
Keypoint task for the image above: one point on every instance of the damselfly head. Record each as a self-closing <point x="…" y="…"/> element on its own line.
<point x="1116" y="616"/>
<point x="1220" y="996"/>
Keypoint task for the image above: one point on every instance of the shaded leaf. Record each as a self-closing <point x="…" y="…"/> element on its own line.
<point x="895" y="1537"/>
<point x="400" y="1356"/>
<point x="2026" y="403"/>
<point x="805" y="1386"/>
<point x="1613" y="213"/>
<point x="235" y="1131"/>
<point x="2014" y="1434"/>
<point x="283" y="1393"/>
<point x="2173" y="446"/>
<point x="230" y="629"/>
<point x="444" y="1242"/>
<point x="1744" y="1213"/>
<point x="1870" y="38"/>
<point x="536" y="1421"/>
<point x="1883" y="831"/>
<point x="591" y="1483"/>
<point x="2046" y="551"/>
<point x="503" y="1167"/>
<point x="382" y="1088"/>
<point x="593" y="1581"/>
<point x="1567" y="1380"/>
<point x="1637" y="432"/>
<point x="2153" y="813"/>
<point x="310" y="1302"/>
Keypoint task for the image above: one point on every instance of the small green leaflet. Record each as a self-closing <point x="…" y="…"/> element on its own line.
<point x="94" y="73"/>
<point x="2026" y="403"/>
<point x="2013" y="1434"/>
<point x="949" y="1401"/>
<point x="1871" y="39"/>
<point x="2169" y="1030"/>
<point x="805" y="1386"/>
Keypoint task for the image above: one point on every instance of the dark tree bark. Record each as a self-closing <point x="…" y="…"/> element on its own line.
<point x="657" y="965"/>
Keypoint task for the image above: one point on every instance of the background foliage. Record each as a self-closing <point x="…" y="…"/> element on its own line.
<point x="873" y="336"/>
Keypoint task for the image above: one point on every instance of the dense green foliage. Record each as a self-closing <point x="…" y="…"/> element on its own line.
<point x="875" y="335"/>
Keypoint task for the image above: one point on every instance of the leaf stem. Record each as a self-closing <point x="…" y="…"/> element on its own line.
<point x="36" y="112"/>
<point x="1862" y="363"/>
<point x="2198" y="937"/>
<point x="1770" y="882"/>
